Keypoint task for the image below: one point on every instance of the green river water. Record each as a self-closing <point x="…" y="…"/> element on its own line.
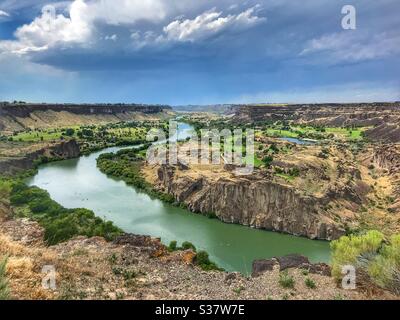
<point x="78" y="183"/>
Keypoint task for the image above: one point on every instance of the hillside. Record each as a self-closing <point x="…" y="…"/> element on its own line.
<point x="18" y="117"/>
<point x="383" y="118"/>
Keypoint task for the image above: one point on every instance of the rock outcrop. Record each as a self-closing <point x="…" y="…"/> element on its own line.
<point x="289" y="262"/>
<point x="63" y="150"/>
<point x="363" y="114"/>
<point x="385" y="117"/>
<point x="250" y="201"/>
<point x="16" y="117"/>
<point x="387" y="157"/>
<point x="385" y="132"/>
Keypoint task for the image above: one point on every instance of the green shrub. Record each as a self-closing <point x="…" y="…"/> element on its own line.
<point x="268" y="160"/>
<point x="305" y="272"/>
<point x="129" y="274"/>
<point x="172" y="246"/>
<point x="188" y="245"/>
<point x="4" y="291"/>
<point x="60" y="224"/>
<point x="373" y="255"/>
<point x="5" y="188"/>
<point x="203" y="261"/>
<point x="286" y="280"/>
<point x="385" y="268"/>
<point x="310" y="283"/>
<point x="238" y="290"/>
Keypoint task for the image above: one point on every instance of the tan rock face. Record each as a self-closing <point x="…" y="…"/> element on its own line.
<point x="22" y="116"/>
<point x="257" y="203"/>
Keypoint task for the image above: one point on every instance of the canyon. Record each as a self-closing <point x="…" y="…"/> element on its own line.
<point x="340" y="187"/>
<point x="251" y="201"/>
<point x="384" y="117"/>
<point x="25" y="156"/>
<point x="22" y="116"/>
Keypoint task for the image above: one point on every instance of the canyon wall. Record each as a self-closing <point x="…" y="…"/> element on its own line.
<point x="328" y="114"/>
<point x="384" y="117"/>
<point x="15" y="117"/>
<point x="251" y="202"/>
<point x="62" y="150"/>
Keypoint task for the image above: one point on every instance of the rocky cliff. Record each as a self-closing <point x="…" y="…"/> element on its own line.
<point x="62" y="150"/>
<point x="14" y="117"/>
<point x="385" y="116"/>
<point x="252" y="202"/>
<point x="328" y="114"/>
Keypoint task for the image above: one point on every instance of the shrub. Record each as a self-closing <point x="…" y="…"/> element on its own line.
<point x="310" y="283"/>
<point x="5" y="189"/>
<point x="203" y="261"/>
<point x="385" y="268"/>
<point x="268" y="160"/>
<point x="4" y="291"/>
<point x="60" y="224"/>
<point x="286" y="280"/>
<point x="188" y="245"/>
<point x="372" y="255"/>
<point x="347" y="250"/>
<point x="172" y="246"/>
<point x="305" y="272"/>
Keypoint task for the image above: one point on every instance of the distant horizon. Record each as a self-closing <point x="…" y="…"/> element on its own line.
<point x="21" y="102"/>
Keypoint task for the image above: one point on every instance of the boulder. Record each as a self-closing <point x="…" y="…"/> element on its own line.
<point x="292" y="261"/>
<point x="260" y="266"/>
<point x="288" y="262"/>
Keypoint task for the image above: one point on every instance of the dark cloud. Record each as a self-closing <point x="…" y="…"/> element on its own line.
<point x="299" y="44"/>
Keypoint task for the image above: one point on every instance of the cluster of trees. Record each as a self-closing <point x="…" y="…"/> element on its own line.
<point x="60" y="224"/>
<point x="202" y="258"/>
<point x="126" y="165"/>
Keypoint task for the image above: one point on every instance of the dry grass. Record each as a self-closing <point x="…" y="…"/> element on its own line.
<point x="24" y="269"/>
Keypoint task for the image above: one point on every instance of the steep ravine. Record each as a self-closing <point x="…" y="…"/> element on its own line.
<point x="257" y="203"/>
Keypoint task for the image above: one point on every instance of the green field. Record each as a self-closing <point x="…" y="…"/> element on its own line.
<point x="43" y="135"/>
<point x="125" y="133"/>
<point x="316" y="133"/>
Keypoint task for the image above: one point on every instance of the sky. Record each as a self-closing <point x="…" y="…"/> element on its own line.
<point x="181" y="52"/>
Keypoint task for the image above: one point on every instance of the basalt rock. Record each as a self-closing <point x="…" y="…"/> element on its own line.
<point x="261" y="266"/>
<point x="288" y="262"/>
<point x="292" y="261"/>
<point x="63" y="150"/>
<point x="258" y="203"/>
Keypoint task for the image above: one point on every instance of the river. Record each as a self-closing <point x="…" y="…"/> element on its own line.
<point x="77" y="183"/>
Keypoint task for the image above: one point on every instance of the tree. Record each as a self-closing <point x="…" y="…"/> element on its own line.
<point x="69" y="132"/>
